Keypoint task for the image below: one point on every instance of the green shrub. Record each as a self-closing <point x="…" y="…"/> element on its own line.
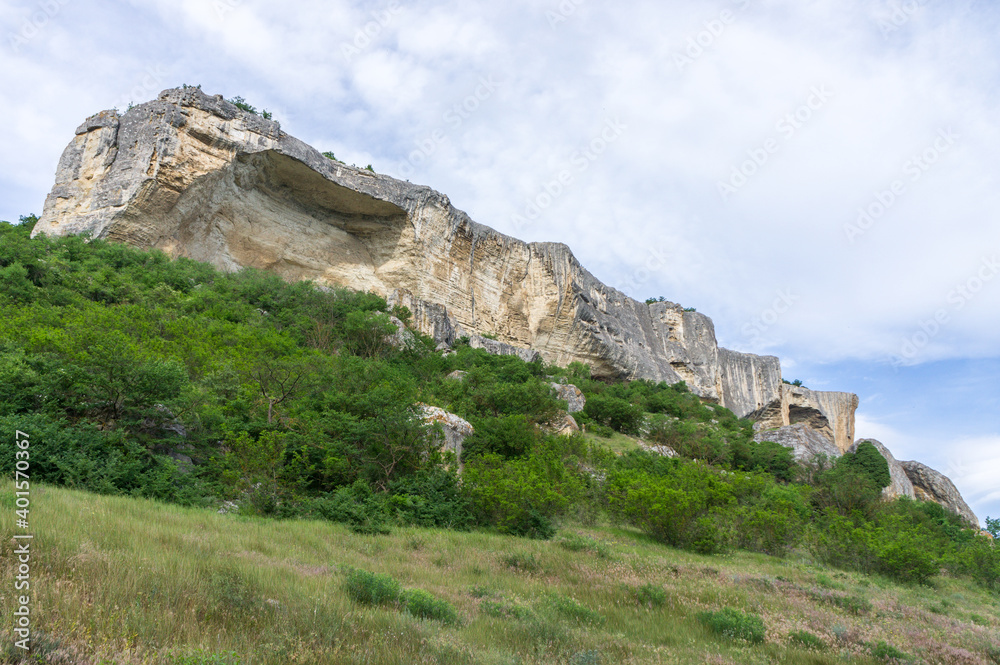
<point x="504" y="610"/>
<point x="358" y="506"/>
<point x="507" y="436"/>
<point x="372" y="588"/>
<point x="571" y="609"/>
<point x="885" y="651"/>
<point x="425" y="605"/>
<point x="852" y="604"/>
<point x="521" y="562"/>
<point x="869" y="460"/>
<point x="577" y="543"/>
<point x="734" y="624"/>
<point x="616" y="413"/>
<point x="601" y="430"/>
<point x="522" y="496"/>
<point x="806" y="640"/>
<point x="430" y="499"/>
<point x="651" y="595"/>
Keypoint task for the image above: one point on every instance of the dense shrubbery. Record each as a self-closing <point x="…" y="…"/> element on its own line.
<point x="139" y="375"/>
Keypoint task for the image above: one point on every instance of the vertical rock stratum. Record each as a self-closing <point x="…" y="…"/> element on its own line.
<point x="195" y="176"/>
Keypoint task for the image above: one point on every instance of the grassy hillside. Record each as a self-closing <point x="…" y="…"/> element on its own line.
<point x="123" y="580"/>
<point x="353" y="538"/>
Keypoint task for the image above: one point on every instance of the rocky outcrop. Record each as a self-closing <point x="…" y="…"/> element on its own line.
<point x="497" y="348"/>
<point x="564" y="425"/>
<point x="195" y="176"/>
<point x="750" y="384"/>
<point x="899" y="484"/>
<point x="657" y="449"/>
<point x="830" y="414"/>
<point x="453" y="428"/>
<point x="805" y="442"/>
<point x="572" y="395"/>
<point x="931" y="485"/>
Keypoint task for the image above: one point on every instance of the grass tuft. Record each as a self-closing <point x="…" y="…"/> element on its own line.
<point x="734" y="624"/>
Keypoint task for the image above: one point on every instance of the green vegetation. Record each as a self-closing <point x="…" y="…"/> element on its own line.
<point x="146" y="379"/>
<point x="734" y="624"/>
<point x="242" y="104"/>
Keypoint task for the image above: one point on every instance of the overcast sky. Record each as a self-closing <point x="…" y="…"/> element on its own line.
<point x="820" y="177"/>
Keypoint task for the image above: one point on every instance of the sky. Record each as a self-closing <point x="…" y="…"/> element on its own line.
<point x="818" y="176"/>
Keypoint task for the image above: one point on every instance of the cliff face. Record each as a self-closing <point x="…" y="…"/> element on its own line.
<point x="931" y="485"/>
<point x="194" y="176"/>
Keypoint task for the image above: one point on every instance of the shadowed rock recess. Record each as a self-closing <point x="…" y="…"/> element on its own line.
<point x="195" y="176"/>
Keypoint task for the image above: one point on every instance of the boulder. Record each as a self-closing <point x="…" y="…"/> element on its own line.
<point x="659" y="449"/>
<point x="805" y="442"/>
<point x="931" y="485"/>
<point x="572" y="395"/>
<point x="454" y="429"/>
<point x="564" y="426"/>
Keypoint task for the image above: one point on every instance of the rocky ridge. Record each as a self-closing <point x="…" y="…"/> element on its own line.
<point x="195" y="176"/>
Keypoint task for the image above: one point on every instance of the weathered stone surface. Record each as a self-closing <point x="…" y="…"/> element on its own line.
<point x="457" y="375"/>
<point x="748" y="384"/>
<point x="572" y="395"/>
<point x="659" y="449"/>
<point x="564" y="426"/>
<point x="931" y="485"/>
<point x="402" y="338"/>
<point x="899" y="484"/>
<point x="805" y="442"/>
<point x="195" y="176"/>
<point x="497" y="348"/>
<point x="454" y="429"/>
<point x="830" y="414"/>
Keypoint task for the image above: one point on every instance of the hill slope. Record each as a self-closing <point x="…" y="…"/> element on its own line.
<point x="121" y="580"/>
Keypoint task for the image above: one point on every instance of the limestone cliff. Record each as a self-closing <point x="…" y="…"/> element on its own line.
<point x="195" y="176"/>
<point x="931" y="485"/>
<point x="830" y="414"/>
<point x="806" y="443"/>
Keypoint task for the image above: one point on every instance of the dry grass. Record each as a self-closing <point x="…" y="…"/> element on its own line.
<point x="119" y="580"/>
